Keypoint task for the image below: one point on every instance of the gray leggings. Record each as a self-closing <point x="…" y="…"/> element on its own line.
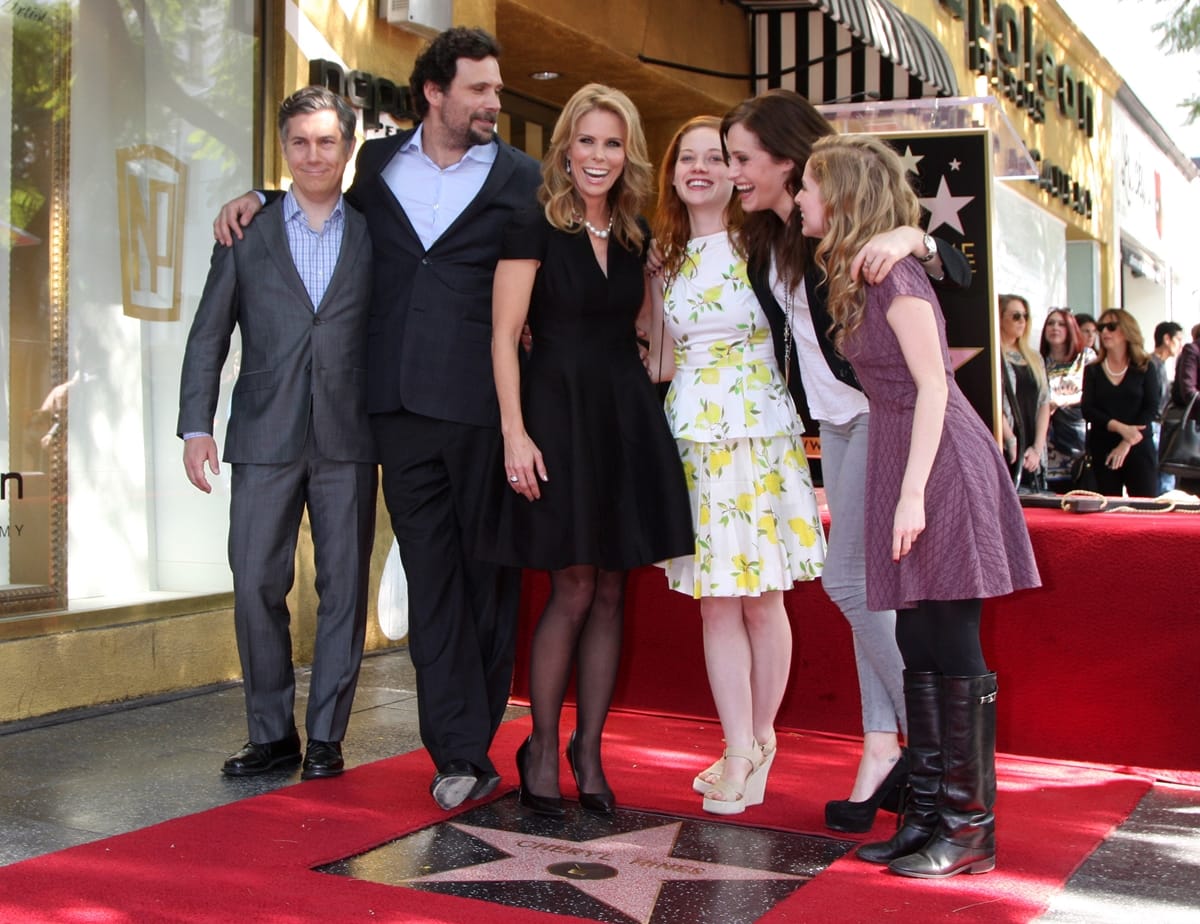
<point x="880" y="667"/>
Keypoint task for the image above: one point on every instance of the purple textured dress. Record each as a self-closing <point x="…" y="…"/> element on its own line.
<point x="975" y="542"/>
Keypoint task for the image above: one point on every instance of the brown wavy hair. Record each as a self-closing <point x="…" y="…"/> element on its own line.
<point x="865" y="192"/>
<point x="631" y="190"/>
<point x="786" y="125"/>
<point x="1128" y="325"/>
<point x="672" y="229"/>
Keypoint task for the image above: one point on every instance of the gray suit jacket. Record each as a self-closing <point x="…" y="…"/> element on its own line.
<point x="293" y="359"/>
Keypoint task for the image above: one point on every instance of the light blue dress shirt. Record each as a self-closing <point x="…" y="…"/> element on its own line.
<point x="315" y="253"/>
<point x="433" y="197"/>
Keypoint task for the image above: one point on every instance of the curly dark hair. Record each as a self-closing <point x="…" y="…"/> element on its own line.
<point x="438" y="62"/>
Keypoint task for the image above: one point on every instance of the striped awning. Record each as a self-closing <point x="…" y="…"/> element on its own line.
<point x="846" y="51"/>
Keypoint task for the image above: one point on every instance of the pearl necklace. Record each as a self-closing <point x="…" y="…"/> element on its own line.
<point x="1115" y="375"/>
<point x="601" y="233"/>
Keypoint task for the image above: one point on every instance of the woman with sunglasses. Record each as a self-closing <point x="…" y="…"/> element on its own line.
<point x="1121" y="397"/>
<point x="1026" y="398"/>
<point x="1066" y="357"/>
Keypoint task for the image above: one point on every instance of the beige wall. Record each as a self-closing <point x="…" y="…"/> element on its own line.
<point x="124" y="654"/>
<point x="83" y="659"/>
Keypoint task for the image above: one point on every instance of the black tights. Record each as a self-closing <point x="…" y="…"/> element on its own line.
<point x="581" y="627"/>
<point x="942" y="636"/>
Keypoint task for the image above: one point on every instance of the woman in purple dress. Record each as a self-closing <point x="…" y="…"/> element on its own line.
<point x="944" y="528"/>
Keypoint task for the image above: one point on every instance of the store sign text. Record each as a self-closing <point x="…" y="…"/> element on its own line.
<point x="5" y="478"/>
<point x="1060" y="185"/>
<point x="1022" y="66"/>
<point x="373" y="95"/>
<point x="1001" y="46"/>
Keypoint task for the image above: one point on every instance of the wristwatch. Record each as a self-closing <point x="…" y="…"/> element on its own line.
<point x="931" y="246"/>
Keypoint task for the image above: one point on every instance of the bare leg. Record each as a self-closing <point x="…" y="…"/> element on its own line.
<point x="727" y="656"/>
<point x="881" y="750"/>
<point x="770" y="636"/>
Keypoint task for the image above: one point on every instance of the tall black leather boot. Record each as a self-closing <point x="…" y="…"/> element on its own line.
<point x="919" y="815"/>
<point x="965" y="839"/>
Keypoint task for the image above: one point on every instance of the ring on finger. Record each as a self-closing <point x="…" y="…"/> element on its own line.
<point x="514" y="478"/>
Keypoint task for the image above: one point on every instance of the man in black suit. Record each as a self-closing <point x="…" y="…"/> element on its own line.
<point x="437" y="199"/>
<point x="297" y="286"/>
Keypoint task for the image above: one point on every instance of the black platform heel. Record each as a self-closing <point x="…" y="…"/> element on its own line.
<point x="598" y="803"/>
<point x="541" y="805"/>
<point x="858" y="817"/>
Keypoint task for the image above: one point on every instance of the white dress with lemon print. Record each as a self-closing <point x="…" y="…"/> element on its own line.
<point x="755" y="512"/>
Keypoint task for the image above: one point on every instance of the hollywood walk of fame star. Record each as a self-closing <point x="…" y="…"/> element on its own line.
<point x="944" y="208"/>
<point x="910" y="160"/>
<point x="625" y="871"/>
<point x="960" y="356"/>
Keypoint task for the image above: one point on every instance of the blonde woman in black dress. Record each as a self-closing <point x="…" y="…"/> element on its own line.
<point x="590" y="484"/>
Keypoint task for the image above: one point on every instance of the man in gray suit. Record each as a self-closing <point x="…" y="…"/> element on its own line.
<point x="437" y="199"/>
<point x="298" y="287"/>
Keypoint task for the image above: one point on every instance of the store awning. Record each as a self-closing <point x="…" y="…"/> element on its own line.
<point x="846" y="51"/>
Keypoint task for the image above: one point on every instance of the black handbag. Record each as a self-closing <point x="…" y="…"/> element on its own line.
<point x="1083" y="478"/>
<point x="1180" y="454"/>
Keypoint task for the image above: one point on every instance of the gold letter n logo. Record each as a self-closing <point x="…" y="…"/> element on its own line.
<point x="151" y="198"/>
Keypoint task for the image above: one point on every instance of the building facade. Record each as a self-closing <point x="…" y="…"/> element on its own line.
<point x="131" y="122"/>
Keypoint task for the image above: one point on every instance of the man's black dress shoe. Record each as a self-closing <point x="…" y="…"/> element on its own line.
<point x="259" y="758"/>
<point x="453" y="784"/>
<point x="485" y="784"/>
<point x="322" y="759"/>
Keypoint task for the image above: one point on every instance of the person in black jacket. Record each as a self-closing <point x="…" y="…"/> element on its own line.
<point x="768" y="139"/>
<point x="1121" y="398"/>
<point x="437" y="199"/>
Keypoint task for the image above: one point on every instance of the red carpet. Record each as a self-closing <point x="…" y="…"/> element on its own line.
<point x="250" y="861"/>
<point x="1099" y="665"/>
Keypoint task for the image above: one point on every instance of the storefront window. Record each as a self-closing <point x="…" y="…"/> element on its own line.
<point x="130" y="122"/>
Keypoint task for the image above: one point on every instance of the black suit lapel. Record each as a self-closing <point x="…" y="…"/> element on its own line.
<point x="497" y="178"/>
<point x="370" y="192"/>
<point x="396" y="210"/>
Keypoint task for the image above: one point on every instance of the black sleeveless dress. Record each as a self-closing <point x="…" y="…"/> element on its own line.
<point x="616" y="496"/>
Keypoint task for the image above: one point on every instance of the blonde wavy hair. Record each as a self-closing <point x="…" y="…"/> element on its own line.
<point x="865" y="192"/>
<point x="629" y="193"/>
<point x="1134" y="341"/>
<point x="1033" y="359"/>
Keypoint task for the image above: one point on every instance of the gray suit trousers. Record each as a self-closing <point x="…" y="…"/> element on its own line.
<point x="266" y="505"/>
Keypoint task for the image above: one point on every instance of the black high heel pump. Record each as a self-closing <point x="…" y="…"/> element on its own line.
<point x="541" y="805"/>
<point x="857" y="817"/>
<point x="599" y="803"/>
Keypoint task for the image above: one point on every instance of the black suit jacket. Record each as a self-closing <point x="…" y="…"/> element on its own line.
<point x="958" y="275"/>
<point x="430" y="326"/>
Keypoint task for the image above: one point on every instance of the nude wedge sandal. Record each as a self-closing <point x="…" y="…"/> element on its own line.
<point x="732" y="799"/>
